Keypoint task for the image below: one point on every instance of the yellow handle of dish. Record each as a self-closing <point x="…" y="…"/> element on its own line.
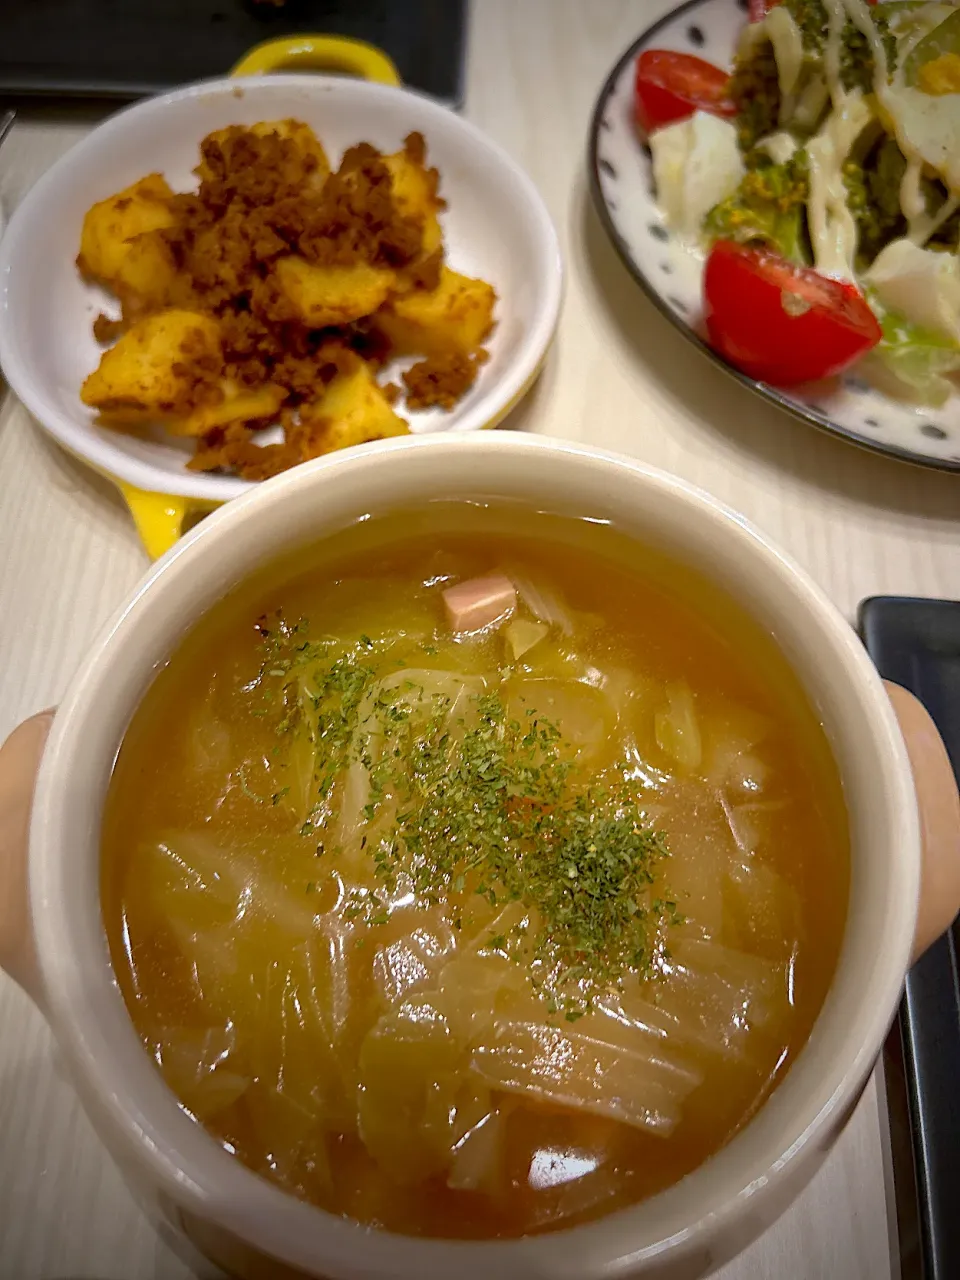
<point x="319" y="53"/>
<point x="158" y="517"/>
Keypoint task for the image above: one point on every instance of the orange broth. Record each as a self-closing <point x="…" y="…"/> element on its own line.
<point x="406" y="1073"/>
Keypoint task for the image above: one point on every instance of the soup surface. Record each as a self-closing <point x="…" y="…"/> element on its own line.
<point x="474" y="908"/>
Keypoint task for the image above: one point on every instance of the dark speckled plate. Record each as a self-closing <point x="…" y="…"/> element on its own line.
<point x="622" y="184"/>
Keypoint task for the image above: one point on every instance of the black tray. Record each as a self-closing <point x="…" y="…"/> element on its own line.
<point x="916" y="643"/>
<point x="128" y="48"/>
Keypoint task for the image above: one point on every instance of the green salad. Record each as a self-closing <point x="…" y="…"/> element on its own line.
<point x="834" y="146"/>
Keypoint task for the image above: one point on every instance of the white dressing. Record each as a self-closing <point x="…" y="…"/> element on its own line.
<point x="928" y="224"/>
<point x="912" y="203"/>
<point x="781" y="147"/>
<point x="833" y="228"/>
<point x="836" y="21"/>
<point x="787" y="44"/>
<point x="780" y="29"/>
<point x="859" y="15"/>
<point x="812" y="101"/>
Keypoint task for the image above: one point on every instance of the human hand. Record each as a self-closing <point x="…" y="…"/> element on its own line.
<point x="19" y="763"/>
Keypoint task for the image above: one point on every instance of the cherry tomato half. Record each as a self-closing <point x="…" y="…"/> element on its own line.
<point x="672" y="86"/>
<point x="781" y="323"/>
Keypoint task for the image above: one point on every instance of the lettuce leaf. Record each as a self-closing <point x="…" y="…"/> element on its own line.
<point x="912" y="363"/>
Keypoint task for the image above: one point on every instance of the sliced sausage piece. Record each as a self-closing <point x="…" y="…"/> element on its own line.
<point x="478" y="602"/>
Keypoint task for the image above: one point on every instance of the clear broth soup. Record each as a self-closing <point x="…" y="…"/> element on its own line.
<point x="474" y="933"/>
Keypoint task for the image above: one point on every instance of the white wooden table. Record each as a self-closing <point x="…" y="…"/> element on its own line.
<point x="619" y="378"/>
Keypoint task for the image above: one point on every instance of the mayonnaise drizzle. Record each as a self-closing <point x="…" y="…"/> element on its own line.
<point x="859" y="15"/>
<point x="836" y="21"/>
<point x="833" y="228"/>
<point x="930" y="224"/>
<point x="780" y="147"/>
<point x="787" y="41"/>
<point x="838" y="11"/>
<point x="912" y="200"/>
<point x="921" y="223"/>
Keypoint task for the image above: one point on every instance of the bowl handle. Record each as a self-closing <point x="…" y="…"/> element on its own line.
<point x="159" y="517"/>
<point x="19" y="762"/>
<point x="319" y="53"/>
<point x="939" y="805"/>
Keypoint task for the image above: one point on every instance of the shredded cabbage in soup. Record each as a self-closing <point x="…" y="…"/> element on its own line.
<point x="471" y="929"/>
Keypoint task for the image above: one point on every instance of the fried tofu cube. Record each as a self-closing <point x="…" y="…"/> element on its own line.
<point x="237" y="405"/>
<point x="455" y="317"/>
<point x="333" y="295"/>
<point x="162" y="367"/>
<point x="351" y="410"/>
<point x="414" y="189"/>
<point x="111" y="227"/>
<point x="307" y="143"/>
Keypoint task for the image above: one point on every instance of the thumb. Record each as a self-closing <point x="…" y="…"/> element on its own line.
<point x="19" y="762"/>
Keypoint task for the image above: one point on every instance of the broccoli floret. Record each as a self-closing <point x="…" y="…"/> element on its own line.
<point x="770" y="207"/>
<point x="755" y="88"/>
<point x="811" y="17"/>
<point x="856" y="59"/>
<point x="873" y="180"/>
<point x="873" y="197"/>
<point x="755" y="85"/>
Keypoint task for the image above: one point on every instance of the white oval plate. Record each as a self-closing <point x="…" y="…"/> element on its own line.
<point x="623" y="190"/>
<point x="496" y="226"/>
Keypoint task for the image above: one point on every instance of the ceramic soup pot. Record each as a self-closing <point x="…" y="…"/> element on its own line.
<point x="52" y="936"/>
